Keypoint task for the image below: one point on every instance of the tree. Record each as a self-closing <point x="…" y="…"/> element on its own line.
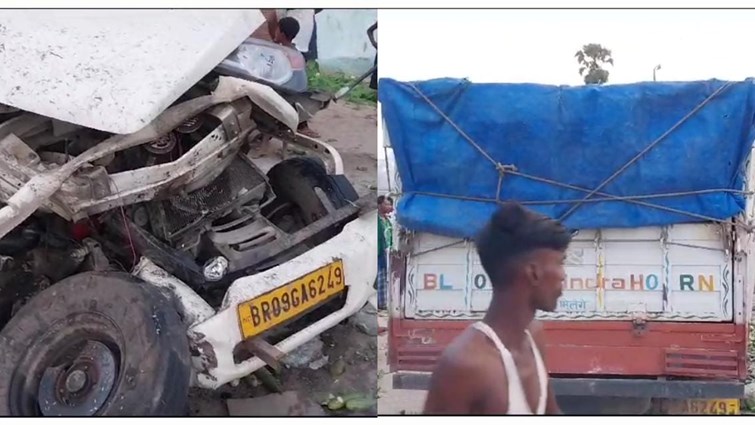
<point x="592" y="60"/>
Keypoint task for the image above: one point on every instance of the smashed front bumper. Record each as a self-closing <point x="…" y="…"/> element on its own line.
<point x="214" y="338"/>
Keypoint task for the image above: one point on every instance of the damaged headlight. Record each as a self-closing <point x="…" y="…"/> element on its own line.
<point x="265" y="61"/>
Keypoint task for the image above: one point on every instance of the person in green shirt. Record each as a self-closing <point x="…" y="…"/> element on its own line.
<point x="385" y="243"/>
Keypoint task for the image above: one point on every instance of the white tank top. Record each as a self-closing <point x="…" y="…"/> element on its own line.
<point x="518" y="404"/>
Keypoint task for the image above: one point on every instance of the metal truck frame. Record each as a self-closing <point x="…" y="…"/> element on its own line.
<point x="607" y="366"/>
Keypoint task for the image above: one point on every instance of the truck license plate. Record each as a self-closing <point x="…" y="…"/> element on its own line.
<point x="288" y="301"/>
<point x="704" y="407"/>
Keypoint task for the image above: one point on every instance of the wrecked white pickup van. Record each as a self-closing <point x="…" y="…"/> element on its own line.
<point x="156" y="230"/>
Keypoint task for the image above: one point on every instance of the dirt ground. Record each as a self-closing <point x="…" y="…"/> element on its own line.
<point x="392" y="401"/>
<point x="352" y="130"/>
<point x="350" y="369"/>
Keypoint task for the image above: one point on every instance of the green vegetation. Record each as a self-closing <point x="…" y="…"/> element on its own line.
<point x="592" y="60"/>
<point x="332" y="82"/>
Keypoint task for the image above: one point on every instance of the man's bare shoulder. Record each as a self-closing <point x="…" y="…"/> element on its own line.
<point x="467" y="377"/>
<point x="469" y="353"/>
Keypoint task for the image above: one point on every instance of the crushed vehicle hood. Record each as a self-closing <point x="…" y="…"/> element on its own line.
<point x="112" y="70"/>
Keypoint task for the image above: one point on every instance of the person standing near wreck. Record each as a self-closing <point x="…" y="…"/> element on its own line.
<point x="497" y="366"/>
<point x="371" y="35"/>
<point x="286" y="32"/>
<point x="385" y="243"/>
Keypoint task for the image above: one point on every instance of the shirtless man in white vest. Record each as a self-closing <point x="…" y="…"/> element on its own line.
<point x="497" y="366"/>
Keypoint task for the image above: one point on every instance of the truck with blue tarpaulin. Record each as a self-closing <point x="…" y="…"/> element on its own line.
<point x="654" y="180"/>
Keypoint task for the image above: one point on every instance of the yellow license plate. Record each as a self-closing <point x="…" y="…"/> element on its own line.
<point x="705" y="407"/>
<point x="288" y="301"/>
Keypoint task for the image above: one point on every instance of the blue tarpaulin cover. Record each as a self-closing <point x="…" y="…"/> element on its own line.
<point x="574" y="135"/>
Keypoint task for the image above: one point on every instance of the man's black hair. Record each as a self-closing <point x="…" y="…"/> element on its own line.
<point x="383" y="198"/>
<point x="289" y="27"/>
<point x="512" y="232"/>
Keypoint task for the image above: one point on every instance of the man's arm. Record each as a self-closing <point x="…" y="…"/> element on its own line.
<point x="271" y="20"/>
<point x="457" y="386"/>
<point x="371" y="34"/>
<point x="536" y="329"/>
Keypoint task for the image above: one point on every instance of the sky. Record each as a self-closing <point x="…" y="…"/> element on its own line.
<point x="538" y="46"/>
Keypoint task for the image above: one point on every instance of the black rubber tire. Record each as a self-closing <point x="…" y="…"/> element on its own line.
<point x="295" y="180"/>
<point x="132" y="317"/>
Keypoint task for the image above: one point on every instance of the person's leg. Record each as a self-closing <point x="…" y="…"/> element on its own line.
<point x="311" y="54"/>
<point x="374" y="77"/>
<point x="382" y="283"/>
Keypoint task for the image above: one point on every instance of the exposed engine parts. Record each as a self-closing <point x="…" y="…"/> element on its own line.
<point x="164" y="144"/>
<point x="191" y="199"/>
<point x="191" y="125"/>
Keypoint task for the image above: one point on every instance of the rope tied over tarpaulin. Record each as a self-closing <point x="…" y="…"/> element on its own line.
<point x="512" y="169"/>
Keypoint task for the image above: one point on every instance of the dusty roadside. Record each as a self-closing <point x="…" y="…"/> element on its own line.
<point x="392" y="401"/>
<point x="352" y="129"/>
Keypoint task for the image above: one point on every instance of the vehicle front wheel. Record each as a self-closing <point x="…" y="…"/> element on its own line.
<point x="102" y="344"/>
